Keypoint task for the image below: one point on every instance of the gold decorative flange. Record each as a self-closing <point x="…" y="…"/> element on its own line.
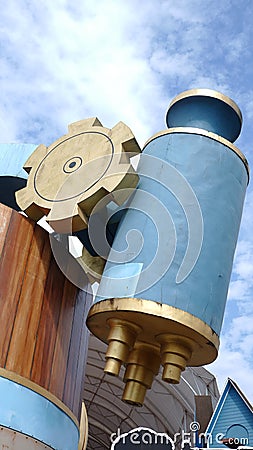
<point x="67" y="179"/>
<point x="205" y="133"/>
<point x="177" y="338"/>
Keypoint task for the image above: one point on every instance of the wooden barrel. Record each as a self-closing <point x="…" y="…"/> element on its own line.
<point x="43" y="336"/>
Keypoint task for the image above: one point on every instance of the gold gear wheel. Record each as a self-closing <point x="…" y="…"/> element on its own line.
<point x="68" y="178"/>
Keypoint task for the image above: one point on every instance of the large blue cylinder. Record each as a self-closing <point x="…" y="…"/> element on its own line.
<point x="32" y="414"/>
<point x="12" y="175"/>
<point x="203" y="291"/>
<point x="172" y="278"/>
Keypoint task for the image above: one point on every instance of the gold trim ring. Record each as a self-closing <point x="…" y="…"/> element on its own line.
<point x="166" y="335"/>
<point x="208" y="134"/>
<point x="155" y="319"/>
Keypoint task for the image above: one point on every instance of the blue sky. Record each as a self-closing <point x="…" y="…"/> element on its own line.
<point x="63" y="61"/>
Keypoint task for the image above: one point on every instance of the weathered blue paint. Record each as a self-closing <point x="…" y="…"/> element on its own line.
<point x="232" y="418"/>
<point x="24" y="410"/>
<point x="209" y="113"/>
<point x="218" y="178"/>
<point x="13" y="157"/>
<point x="12" y="175"/>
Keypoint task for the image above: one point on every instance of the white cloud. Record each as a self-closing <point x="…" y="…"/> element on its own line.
<point x="120" y="60"/>
<point x="235" y="358"/>
<point x="238" y="289"/>
<point x="233" y="364"/>
<point x="71" y="64"/>
<point x="241" y="286"/>
<point x="236" y="355"/>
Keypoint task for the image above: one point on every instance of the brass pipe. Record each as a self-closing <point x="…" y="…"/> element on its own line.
<point x="121" y="339"/>
<point x="142" y="366"/>
<point x="175" y="353"/>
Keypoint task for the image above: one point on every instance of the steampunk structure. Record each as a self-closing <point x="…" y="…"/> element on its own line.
<point x="160" y="242"/>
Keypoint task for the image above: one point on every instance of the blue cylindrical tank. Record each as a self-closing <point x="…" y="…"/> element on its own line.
<point x="164" y="288"/>
<point x="12" y="175"/>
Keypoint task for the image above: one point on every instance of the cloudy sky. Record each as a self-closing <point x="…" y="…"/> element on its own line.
<point x="62" y="61"/>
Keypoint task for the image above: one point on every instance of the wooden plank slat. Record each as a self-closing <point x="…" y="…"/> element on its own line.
<point x="13" y="261"/>
<point x="62" y="343"/>
<point x="5" y="218"/>
<point x="46" y="336"/>
<point x="75" y="346"/>
<point x="86" y="298"/>
<point x="24" y="335"/>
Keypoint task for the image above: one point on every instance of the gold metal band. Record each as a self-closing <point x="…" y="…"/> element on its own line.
<point x="165" y="335"/>
<point x="155" y="319"/>
<point x="208" y="93"/>
<point x="83" y="440"/>
<point x="39" y="390"/>
<point x="201" y="132"/>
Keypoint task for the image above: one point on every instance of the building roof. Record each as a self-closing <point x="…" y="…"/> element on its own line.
<point x="232" y="418"/>
<point x="246" y="401"/>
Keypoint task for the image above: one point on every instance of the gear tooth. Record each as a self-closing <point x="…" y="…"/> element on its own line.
<point x="35" y="212"/>
<point x="26" y="202"/>
<point x="121" y="185"/>
<point x="67" y="221"/>
<point x="122" y="130"/>
<point x="123" y="135"/>
<point x="28" y="206"/>
<point x="85" y="124"/>
<point x="38" y="154"/>
<point x="93" y="266"/>
<point x="87" y="204"/>
<point x="82" y="216"/>
<point x="23" y="198"/>
<point x="125" y="187"/>
<point x="132" y="147"/>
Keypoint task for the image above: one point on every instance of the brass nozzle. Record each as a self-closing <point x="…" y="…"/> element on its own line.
<point x="121" y="340"/>
<point x="175" y="353"/>
<point x="142" y="366"/>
